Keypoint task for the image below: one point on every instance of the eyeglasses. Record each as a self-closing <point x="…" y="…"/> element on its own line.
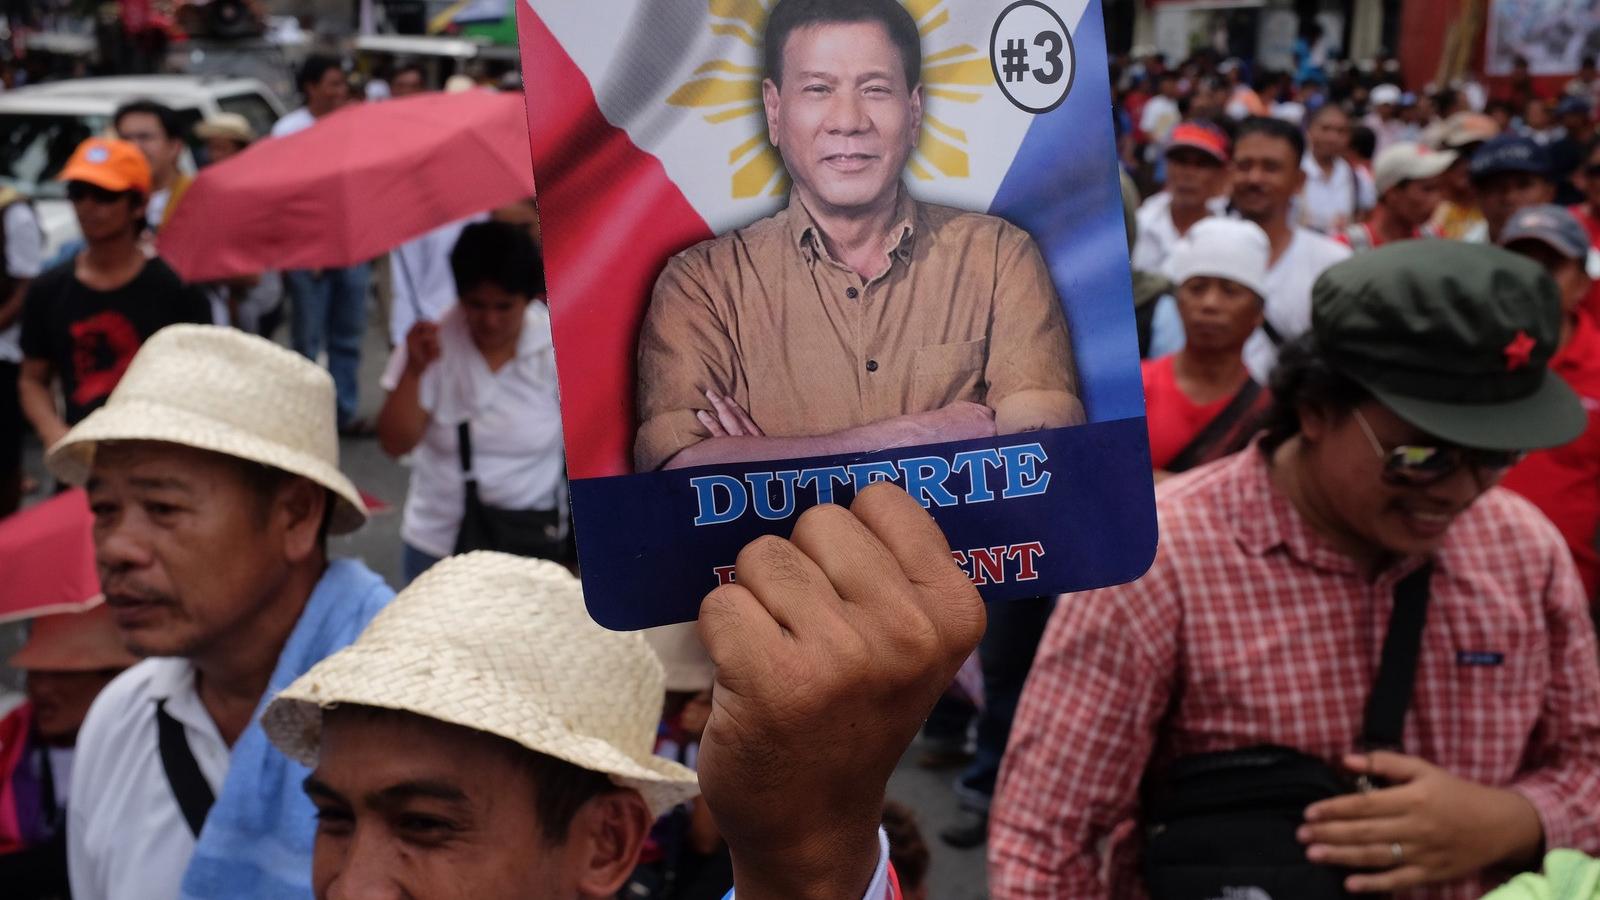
<point x="1417" y="465"/>
<point x="79" y="191"/>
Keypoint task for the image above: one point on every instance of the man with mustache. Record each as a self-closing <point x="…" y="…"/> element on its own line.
<point x="858" y="318"/>
<point x="213" y="476"/>
<point x="1267" y="176"/>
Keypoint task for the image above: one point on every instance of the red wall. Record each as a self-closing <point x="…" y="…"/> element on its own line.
<point x="1423" y="27"/>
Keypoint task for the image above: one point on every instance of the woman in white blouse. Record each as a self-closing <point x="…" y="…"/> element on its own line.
<point x="488" y="363"/>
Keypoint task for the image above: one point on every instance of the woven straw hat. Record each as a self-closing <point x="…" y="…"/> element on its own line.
<point x="503" y="645"/>
<point x="222" y="390"/>
<point x="684" y="659"/>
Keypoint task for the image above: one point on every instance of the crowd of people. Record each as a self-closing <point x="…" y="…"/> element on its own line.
<point x="1363" y="662"/>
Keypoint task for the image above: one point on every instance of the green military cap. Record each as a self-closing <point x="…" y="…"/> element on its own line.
<point x="1455" y="338"/>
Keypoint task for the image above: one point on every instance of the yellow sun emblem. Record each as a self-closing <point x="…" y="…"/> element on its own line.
<point x="733" y="93"/>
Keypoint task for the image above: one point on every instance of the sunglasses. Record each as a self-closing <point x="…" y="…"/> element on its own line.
<point x="1593" y="170"/>
<point x="79" y="191"/>
<point x="1419" y="465"/>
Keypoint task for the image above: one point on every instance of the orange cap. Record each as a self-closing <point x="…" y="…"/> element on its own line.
<point x="73" y="642"/>
<point x="108" y="163"/>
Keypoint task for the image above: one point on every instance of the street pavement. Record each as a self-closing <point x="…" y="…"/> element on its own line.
<point x="955" y="874"/>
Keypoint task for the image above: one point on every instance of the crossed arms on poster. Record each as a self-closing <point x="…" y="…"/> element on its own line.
<point x="856" y="319"/>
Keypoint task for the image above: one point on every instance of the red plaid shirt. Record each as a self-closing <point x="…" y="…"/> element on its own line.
<point x="1251" y="629"/>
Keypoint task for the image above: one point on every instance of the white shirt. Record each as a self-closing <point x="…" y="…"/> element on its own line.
<point x="1288" y="285"/>
<point x="155" y="211"/>
<point x="299" y="120"/>
<point x="126" y="837"/>
<point x="420" y="278"/>
<point x="1156" y="233"/>
<point x="24" y="259"/>
<point x="1159" y="117"/>
<point x="1329" y="202"/>
<point x="516" y="430"/>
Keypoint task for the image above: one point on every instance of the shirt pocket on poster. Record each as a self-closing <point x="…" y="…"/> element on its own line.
<point x="946" y="373"/>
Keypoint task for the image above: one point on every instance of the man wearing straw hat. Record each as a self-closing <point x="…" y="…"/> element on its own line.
<point x="212" y="473"/>
<point x="485" y="739"/>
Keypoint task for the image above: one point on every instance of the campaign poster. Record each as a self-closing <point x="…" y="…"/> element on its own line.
<point x="796" y="247"/>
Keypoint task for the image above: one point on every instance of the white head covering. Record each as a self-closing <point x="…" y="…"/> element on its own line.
<point x="1223" y="248"/>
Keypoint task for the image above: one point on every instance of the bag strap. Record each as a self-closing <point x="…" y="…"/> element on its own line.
<point x="190" y="788"/>
<point x="464" y="447"/>
<point x="1385" y="719"/>
<point x="1194" y="452"/>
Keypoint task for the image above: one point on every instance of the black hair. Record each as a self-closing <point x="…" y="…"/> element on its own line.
<point x="560" y="788"/>
<point x="497" y="253"/>
<point x="1303" y="378"/>
<point x="314" y="69"/>
<point x="1364" y="141"/>
<point x="1273" y="128"/>
<point x="171" y="125"/>
<point x="790" y="16"/>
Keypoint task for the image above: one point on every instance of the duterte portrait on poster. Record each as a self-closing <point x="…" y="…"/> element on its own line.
<point x="857" y="318"/>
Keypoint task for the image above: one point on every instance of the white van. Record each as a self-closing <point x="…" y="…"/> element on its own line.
<point x="40" y="126"/>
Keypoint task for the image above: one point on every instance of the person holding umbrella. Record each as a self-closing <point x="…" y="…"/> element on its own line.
<point x="474" y="398"/>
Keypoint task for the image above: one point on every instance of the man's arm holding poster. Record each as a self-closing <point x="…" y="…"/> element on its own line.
<point x="691" y="408"/>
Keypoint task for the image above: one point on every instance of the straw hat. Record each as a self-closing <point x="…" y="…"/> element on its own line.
<point x="687" y="665"/>
<point x="222" y="390"/>
<point x="227" y="126"/>
<point x="503" y="645"/>
<point x="84" y="641"/>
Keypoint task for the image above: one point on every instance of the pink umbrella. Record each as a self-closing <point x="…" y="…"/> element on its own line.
<point x="355" y="185"/>
<point x="47" y="559"/>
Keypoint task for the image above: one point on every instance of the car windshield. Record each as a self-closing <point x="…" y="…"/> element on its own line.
<point x="33" y="148"/>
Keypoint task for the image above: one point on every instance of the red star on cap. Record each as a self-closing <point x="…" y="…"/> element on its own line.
<point x="1519" y="352"/>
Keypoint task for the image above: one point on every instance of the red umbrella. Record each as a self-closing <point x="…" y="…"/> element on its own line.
<point x="355" y="185"/>
<point x="47" y="559"/>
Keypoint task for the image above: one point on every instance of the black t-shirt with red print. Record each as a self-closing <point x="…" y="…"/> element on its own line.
<point x="90" y="336"/>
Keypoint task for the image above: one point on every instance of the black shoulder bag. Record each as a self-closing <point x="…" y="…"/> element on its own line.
<point x="1220" y="436"/>
<point x="189" y="785"/>
<point x="1223" y="824"/>
<point x="540" y="533"/>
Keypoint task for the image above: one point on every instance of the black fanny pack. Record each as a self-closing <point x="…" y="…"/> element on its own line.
<point x="1221" y="826"/>
<point x="540" y="533"/>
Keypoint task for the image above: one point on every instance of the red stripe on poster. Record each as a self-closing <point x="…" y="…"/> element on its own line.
<point x="611" y="217"/>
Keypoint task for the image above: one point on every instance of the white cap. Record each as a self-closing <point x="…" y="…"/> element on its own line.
<point x="1384" y="95"/>
<point x="1408" y="161"/>
<point x="1223" y="248"/>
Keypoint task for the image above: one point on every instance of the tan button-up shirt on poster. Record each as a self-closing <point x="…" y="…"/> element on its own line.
<point x="764" y="315"/>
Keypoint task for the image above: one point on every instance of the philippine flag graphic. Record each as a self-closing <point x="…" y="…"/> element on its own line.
<point x="648" y="137"/>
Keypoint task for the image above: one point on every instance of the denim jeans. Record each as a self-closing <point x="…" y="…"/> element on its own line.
<point x="413" y="562"/>
<point x="329" y="311"/>
<point x="1006" y="654"/>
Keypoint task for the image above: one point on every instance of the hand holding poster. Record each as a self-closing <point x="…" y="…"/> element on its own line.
<point x="798" y="247"/>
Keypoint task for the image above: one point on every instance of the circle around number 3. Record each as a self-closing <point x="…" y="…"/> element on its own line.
<point x="1032" y="55"/>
